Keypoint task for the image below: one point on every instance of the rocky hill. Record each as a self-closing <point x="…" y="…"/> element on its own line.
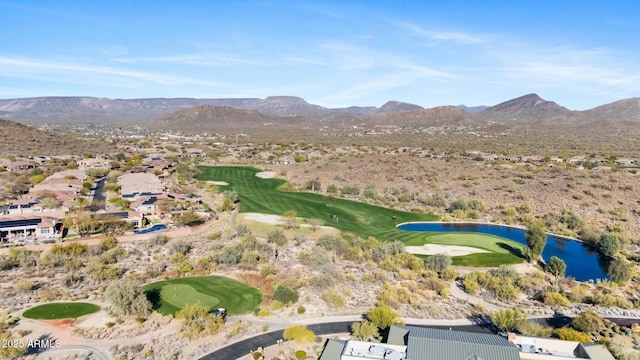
<point x="525" y="109"/>
<point x="221" y="119"/>
<point x="396" y="106"/>
<point x="101" y="110"/>
<point x="438" y="116"/>
<point x="23" y="141"/>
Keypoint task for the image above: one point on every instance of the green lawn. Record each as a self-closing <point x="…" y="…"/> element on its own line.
<point x="63" y="310"/>
<point x="170" y="296"/>
<point x="261" y="196"/>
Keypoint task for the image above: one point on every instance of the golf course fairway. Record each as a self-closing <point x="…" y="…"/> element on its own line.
<point x="262" y="196"/>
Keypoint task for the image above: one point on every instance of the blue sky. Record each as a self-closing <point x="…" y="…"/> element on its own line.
<point x="580" y="54"/>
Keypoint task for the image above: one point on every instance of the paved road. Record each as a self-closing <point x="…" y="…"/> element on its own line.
<point x="91" y="352"/>
<point x="244" y="347"/>
<point x="481" y="325"/>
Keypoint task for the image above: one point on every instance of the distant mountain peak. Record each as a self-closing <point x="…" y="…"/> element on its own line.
<point x="397" y="106"/>
<point x="523" y="109"/>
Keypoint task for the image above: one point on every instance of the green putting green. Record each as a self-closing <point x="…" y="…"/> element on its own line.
<point x="501" y="250"/>
<point x="63" y="310"/>
<point x="262" y="196"/>
<point x="169" y="296"/>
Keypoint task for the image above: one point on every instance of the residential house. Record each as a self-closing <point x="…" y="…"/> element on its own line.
<point x="423" y="343"/>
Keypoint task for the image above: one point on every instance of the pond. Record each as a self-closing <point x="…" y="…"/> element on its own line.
<point x="583" y="261"/>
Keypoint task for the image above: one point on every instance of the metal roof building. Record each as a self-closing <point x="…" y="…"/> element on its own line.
<point x="428" y="343"/>
<point x="423" y="343"/>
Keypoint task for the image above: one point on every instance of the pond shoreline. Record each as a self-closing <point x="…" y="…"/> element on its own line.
<point x="584" y="260"/>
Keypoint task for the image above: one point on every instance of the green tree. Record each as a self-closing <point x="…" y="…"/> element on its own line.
<point x="621" y="270"/>
<point x="609" y="245"/>
<point x="508" y="319"/>
<point x="128" y="298"/>
<point x="383" y="316"/>
<point x="364" y="330"/>
<point x="536" y="241"/>
<point x="556" y="267"/>
<point x="588" y="321"/>
<point x="197" y="321"/>
<point x="229" y="198"/>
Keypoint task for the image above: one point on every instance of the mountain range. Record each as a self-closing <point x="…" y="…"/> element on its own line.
<point x="295" y="112"/>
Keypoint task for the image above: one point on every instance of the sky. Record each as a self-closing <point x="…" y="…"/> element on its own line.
<point x="578" y="53"/>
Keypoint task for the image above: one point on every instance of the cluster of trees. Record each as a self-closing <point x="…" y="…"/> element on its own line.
<point x="87" y="224"/>
<point x="463" y="208"/>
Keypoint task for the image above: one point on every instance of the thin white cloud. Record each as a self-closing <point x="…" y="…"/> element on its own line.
<point x="302" y="60"/>
<point x="17" y="67"/>
<point x="439" y="35"/>
<point x="191" y="59"/>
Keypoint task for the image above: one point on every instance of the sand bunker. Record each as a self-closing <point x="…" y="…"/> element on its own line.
<point x="451" y="250"/>
<point x="266" y="174"/>
<point x="264" y="218"/>
<point x="218" y="182"/>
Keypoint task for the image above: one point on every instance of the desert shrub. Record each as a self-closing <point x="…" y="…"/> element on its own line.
<point x="364" y="330"/>
<point x="471" y="284"/>
<point x="313" y="185"/>
<point x="159" y="240"/>
<point x="301" y="309"/>
<point x="300" y="334"/>
<point x="285" y="294"/>
<point x="277" y="237"/>
<point x="556" y="299"/>
<point x="6" y="263"/>
<point x="215" y="235"/>
<point x="508" y="319"/>
<point x="350" y="190"/>
<point x="196" y="321"/>
<point x="230" y="256"/>
<point x="383" y="316"/>
<point x="588" y="321"/>
<point x="570" y="334"/>
<point x="438" y="262"/>
<point x="188" y="219"/>
<point x="333" y="299"/>
<point x="533" y="328"/>
<point x="178" y="246"/>
<point x="332" y="243"/>
<point x="23" y="285"/>
<point x="242" y="229"/>
<point x="299" y="239"/>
